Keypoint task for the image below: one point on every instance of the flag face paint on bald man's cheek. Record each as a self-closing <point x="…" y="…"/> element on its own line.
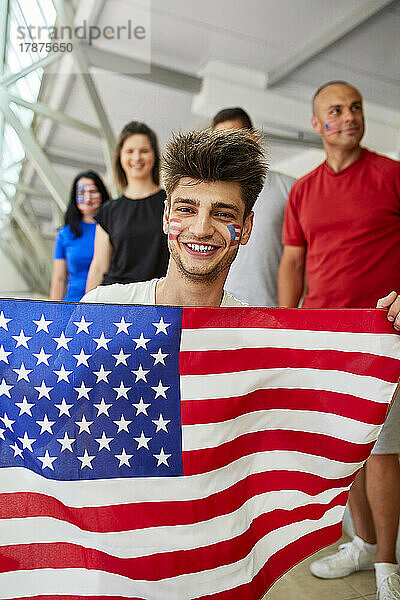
<point x="174" y="228"/>
<point x="235" y="231"/>
<point x="331" y="129"/>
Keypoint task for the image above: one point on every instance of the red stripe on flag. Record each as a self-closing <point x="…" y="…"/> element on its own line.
<point x="215" y="410"/>
<point x="164" y="564"/>
<point x="155" y="514"/>
<point x="200" y="461"/>
<point x="243" y="359"/>
<point x="280" y="563"/>
<point x="277" y="565"/>
<point x="350" y="320"/>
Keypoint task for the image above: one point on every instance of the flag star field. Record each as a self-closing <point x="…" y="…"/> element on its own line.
<point x="67" y="384"/>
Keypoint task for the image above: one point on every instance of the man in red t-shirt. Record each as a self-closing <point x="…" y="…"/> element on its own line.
<point x="342" y="229"/>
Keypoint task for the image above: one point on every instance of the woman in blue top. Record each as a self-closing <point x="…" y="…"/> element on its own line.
<point x="74" y="246"/>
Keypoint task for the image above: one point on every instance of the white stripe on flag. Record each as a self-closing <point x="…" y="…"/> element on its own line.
<point x="234" y="338"/>
<point x="211" y="435"/>
<point x="152" y="540"/>
<point x="183" y="587"/>
<point x="227" y="385"/>
<point x="107" y="492"/>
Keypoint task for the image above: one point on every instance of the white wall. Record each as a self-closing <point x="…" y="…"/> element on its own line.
<point x="10" y="280"/>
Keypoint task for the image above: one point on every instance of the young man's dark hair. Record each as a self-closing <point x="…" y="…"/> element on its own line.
<point x="227" y="155"/>
<point x="232" y="114"/>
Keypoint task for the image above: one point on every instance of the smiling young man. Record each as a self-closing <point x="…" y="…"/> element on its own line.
<point x="212" y="179"/>
<point x="342" y="226"/>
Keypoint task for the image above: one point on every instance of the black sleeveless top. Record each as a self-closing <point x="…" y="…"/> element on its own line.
<point x="140" y="250"/>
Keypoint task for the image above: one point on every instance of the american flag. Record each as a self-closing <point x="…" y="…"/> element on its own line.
<point x="162" y="453"/>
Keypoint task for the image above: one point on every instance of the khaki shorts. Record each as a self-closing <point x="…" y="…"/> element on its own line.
<point x="388" y="441"/>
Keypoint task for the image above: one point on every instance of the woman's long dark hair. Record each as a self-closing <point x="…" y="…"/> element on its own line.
<point x="73" y="215"/>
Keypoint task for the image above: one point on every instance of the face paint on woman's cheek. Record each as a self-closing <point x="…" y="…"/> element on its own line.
<point x="235" y="231"/>
<point x="88" y="204"/>
<point x="174" y="228"/>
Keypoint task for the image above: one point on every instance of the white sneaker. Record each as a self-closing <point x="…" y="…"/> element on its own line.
<point x="351" y="557"/>
<point x="389" y="588"/>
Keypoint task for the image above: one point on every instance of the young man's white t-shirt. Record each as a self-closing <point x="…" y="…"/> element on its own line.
<point x="142" y="292"/>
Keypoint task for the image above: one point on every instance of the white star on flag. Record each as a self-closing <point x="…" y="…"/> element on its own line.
<point x="5" y="389"/>
<point x="64" y="408"/>
<point x="141" y="342"/>
<point x="84" y="425"/>
<point x="66" y="442"/>
<point x="86" y="460"/>
<point x="162" y="458"/>
<point x="124" y="458"/>
<point x="102" y="408"/>
<point x="17" y="450"/>
<point x="83" y="391"/>
<point x="161" y="327"/>
<point x="2" y="434"/>
<point x="102" y="374"/>
<point x="62" y="341"/>
<point x="24" y="407"/>
<point x="142" y="441"/>
<point x="44" y="391"/>
<point x="120" y="358"/>
<point x="161" y="423"/>
<point x="104" y="442"/>
<point x="42" y="324"/>
<point x="82" y="358"/>
<point x="4" y="321"/>
<point x="141" y="407"/>
<point x="83" y="325"/>
<point x="140" y="374"/>
<point x="159" y="357"/>
<point x="27" y="442"/>
<point x="122" y="326"/>
<point x="122" y="391"/>
<point x="21" y="339"/>
<point x="160" y="389"/>
<point x="47" y="460"/>
<point x="22" y="372"/>
<point x="62" y="374"/>
<point x="42" y="357"/>
<point x="102" y="341"/>
<point x="45" y="425"/>
<point x="8" y="423"/>
<point x="123" y="424"/>
<point x="4" y="354"/>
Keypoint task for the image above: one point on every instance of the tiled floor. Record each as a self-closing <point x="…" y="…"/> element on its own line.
<point x="299" y="584"/>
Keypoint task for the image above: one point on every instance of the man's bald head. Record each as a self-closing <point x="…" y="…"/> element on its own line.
<point x="328" y="84"/>
<point x="338" y="116"/>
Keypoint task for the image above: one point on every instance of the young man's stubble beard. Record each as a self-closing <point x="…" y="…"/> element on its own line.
<point x="207" y="276"/>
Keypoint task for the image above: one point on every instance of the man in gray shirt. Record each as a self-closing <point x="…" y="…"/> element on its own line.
<point x="254" y="275"/>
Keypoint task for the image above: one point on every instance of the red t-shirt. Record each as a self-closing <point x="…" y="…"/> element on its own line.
<point x="349" y="223"/>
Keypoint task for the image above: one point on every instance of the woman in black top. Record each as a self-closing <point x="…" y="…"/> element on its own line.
<point x="130" y="244"/>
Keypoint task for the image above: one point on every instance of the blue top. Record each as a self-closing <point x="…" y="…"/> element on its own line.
<point x="78" y="253"/>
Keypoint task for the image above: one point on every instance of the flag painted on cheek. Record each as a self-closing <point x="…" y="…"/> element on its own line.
<point x="235" y="231"/>
<point x="174" y="228"/>
<point x="161" y="453"/>
<point x="89" y="201"/>
<point x="331" y="129"/>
